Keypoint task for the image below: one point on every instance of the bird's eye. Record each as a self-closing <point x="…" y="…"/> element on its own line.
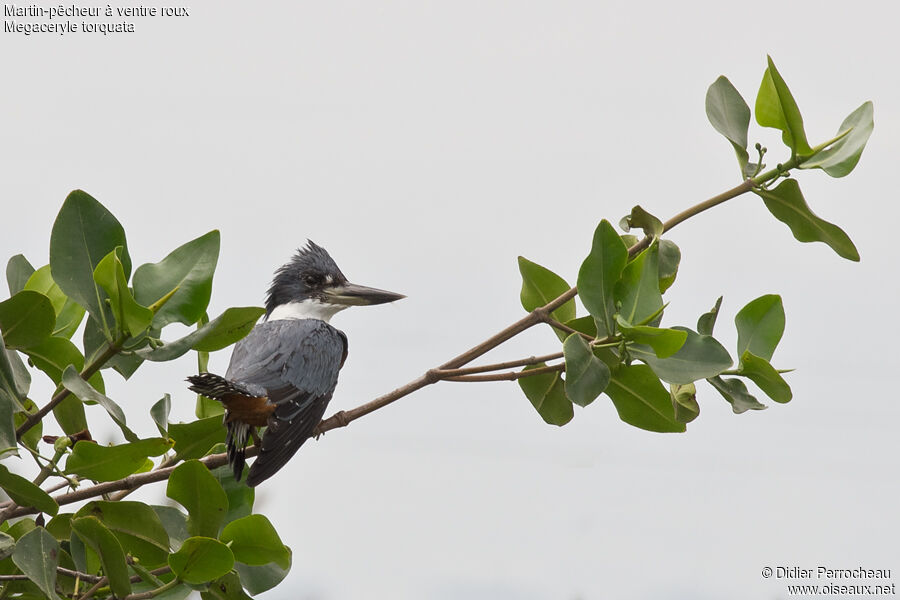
<point x="311" y="279"/>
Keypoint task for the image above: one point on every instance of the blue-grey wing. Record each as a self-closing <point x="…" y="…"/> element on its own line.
<point x="304" y="353"/>
<point x="296" y="363"/>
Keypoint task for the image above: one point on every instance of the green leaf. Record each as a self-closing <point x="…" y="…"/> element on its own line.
<point x="65" y="585"/>
<point x="841" y="158"/>
<point x="776" y="108"/>
<point x="70" y="415"/>
<point x="149" y="582"/>
<point x="37" y="555"/>
<point x="547" y="394"/>
<point x="193" y="440"/>
<point x="585" y="325"/>
<point x="7" y="545"/>
<point x="41" y="281"/>
<point x="18" y="270"/>
<point x="24" y="493"/>
<point x="729" y="115"/>
<point x="641" y="219"/>
<point x="68" y="319"/>
<point x="219" y="333"/>
<point x="160" y="414"/>
<point x="735" y="391"/>
<point x="15" y="378"/>
<point x="68" y="312"/>
<point x="586" y="375"/>
<point x="101" y="540"/>
<point x="201" y="559"/>
<point x="700" y="357"/>
<point x="786" y="203"/>
<point x="12" y="397"/>
<point x="207" y="407"/>
<point x="194" y="487"/>
<point x="760" y="325"/>
<point x="53" y="355"/>
<point x="770" y="381"/>
<point x="131" y="317"/>
<point x="240" y="496"/>
<point x="665" y="342"/>
<point x="638" y="289"/>
<point x="254" y="541"/>
<point x="260" y="579"/>
<point x="189" y="268"/>
<point x="227" y="587"/>
<point x="628" y="239"/>
<point x="84" y="232"/>
<point x="669" y="259"/>
<point x="85" y="559"/>
<point x="73" y="382"/>
<point x="26" y="319"/>
<point x="707" y="321"/>
<point x="541" y="286"/>
<point x="108" y="463"/>
<point x="599" y="274"/>
<point x="60" y="526"/>
<point x="21" y="527"/>
<point x="684" y="400"/>
<point x="32" y="437"/>
<point x="135" y="525"/>
<point x="175" y="523"/>
<point x="641" y="400"/>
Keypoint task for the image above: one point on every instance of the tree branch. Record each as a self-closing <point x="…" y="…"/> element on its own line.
<point x="745" y="186"/>
<point x="449" y="371"/>
<point x="131" y="482"/>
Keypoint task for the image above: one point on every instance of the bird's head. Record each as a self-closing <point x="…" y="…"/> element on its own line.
<point x="312" y="286"/>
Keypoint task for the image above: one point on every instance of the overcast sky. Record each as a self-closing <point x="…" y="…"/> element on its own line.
<point x="426" y="145"/>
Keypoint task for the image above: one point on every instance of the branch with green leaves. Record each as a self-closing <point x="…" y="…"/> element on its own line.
<point x="619" y="348"/>
<point x="622" y="281"/>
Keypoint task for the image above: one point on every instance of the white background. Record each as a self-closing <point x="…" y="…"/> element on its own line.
<point x="428" y="144"/>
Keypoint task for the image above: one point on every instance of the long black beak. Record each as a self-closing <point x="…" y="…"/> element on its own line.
<point x="351" y="294"/>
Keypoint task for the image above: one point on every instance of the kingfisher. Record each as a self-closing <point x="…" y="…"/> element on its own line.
<point x="283" y="374"/>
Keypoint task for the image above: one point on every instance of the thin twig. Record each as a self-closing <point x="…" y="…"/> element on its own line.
<point x="522" y="362"/>
<point x="744" y="187"/>
<point x="508" y="376"/>
<point x="62" y="571"/>
<point x="62" y="484"/>
<point x="152" y="593"/>
<point x="566" y="329"/>
<point x="93" y="590"/>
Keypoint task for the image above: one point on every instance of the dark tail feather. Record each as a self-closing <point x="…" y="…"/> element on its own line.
<point x="217" y="387"/>
<point x="236" y="446"/>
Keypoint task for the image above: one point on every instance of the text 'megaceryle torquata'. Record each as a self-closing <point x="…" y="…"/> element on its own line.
<point x="283" y="374"/>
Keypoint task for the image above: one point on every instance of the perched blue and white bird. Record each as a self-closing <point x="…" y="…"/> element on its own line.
<point x="282" y="375"/>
